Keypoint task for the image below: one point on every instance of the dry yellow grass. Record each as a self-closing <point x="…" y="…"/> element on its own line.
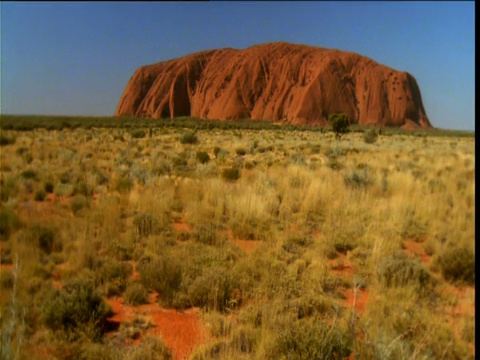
<point x="307" y="197"/>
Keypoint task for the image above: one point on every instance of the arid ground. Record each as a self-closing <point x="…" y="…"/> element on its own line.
<point x="164" y="243"/>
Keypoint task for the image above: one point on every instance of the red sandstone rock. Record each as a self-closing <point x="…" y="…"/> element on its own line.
<point x="280" y="82"/>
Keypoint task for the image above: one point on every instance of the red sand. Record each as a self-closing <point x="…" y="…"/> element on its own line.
<point x="180" y="331"/>
<point x="417" y="250"/>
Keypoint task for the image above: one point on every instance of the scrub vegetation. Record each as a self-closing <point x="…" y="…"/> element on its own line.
<point x="288" y="242"/>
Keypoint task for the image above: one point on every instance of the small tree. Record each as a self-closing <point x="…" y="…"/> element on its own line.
<point x="339" y="123"/>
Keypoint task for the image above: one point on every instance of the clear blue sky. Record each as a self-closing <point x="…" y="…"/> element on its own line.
<point x="75" y="58"/>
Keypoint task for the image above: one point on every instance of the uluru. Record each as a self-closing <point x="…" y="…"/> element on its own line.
<point x="280" y="82"/>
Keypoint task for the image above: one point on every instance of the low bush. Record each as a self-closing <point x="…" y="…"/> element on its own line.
<point x="399" y="270"/>
<point x="6" y="279"/>
<point x="311" y="340"/>
<point x="150" y="349"/>
<point x="136" y="294"/>
<point x="4" y="140"/>
<point x="231" y="174"/>
<point x="207" y="234"/>
<point x="296" y="244"/>
<point x="49" y="187"/>
<point x="146" y="224"/>
<point x="189" y="138"/>
<point x="29" y="174"/>
<point x="124" y="185"/>
<point x="78" y="304"/>
<point x="456" y="264"/>
<point x="40" y="195"/>
<point x="370" y="136"/>
<point x="9" y="222"/>
<point x="212" y="290"/>
<point x="46" y="239"/>
<point x="240" y="151"/>
<point x="162" y="274"/>
<point x="79" y="202"/>
<point x="83" y="188"/>
<point x="66" y="177"/>
<point x="138" y="134"/>
<point x="358" y="179"/>
<point x="115" y="275"/>
<point x="339" y="123"/>
<point x="203" y="157"/>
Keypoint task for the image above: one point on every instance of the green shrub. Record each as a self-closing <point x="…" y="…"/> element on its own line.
<point x="9" y="222"/>
<point x="163" y="274"/>
<point x="4" y="140"/>
<point x="29" y="174"/>
<point x="358" y="179"/>
<point x="150" y="349"/>
<point x="231" y="174"/>
<point x="212" y="290"/>
<point x="207" y="234"/>
<point x="311" y="340"/>
<point x="456" y="264"/>
<point x="40" y="195"/>
<point x="8" y="188"/>
<point x="245" y="339"/>
<point x="77" y="304"/>
<point x="296" y="243"/>
<point x="339" y="123"/>
<point x="62" y="189"/>
<point x="124" y="185"/>
<point x="79" y="202"/>
<point x="203" y="157"/>
<point x="83" y="188"/>
<point x="94" y="351"/>
<point x="46" y="238"/>
<point x="249" y="165"/>
<point x="66" y="177"/>
<point x="370" y="136"/>
<point x="136" y="294"/>
<point x="22" y="150"/>
<point x="399" y="270"/>
<point x="7" y="279"/>
<point x="212" y="350"/>
<point x="49" y="187"/>
<point x="146" y="224"/>
<point x="189" y="138"/>
<point x="138" y="134"/>
<point x="102" y="179"/>
<point x="240" y="151"/>
<point x="115" y="275"/>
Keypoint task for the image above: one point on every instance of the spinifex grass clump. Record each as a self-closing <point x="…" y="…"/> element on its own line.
<point x="315" y="339"/>
<point x="146" y="224"/>
<point x="398" y="270"/>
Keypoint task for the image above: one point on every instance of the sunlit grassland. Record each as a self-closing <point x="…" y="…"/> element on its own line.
<point x="305" y="199"/>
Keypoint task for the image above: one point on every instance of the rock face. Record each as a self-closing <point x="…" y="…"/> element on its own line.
<point x="280" y="82"/>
